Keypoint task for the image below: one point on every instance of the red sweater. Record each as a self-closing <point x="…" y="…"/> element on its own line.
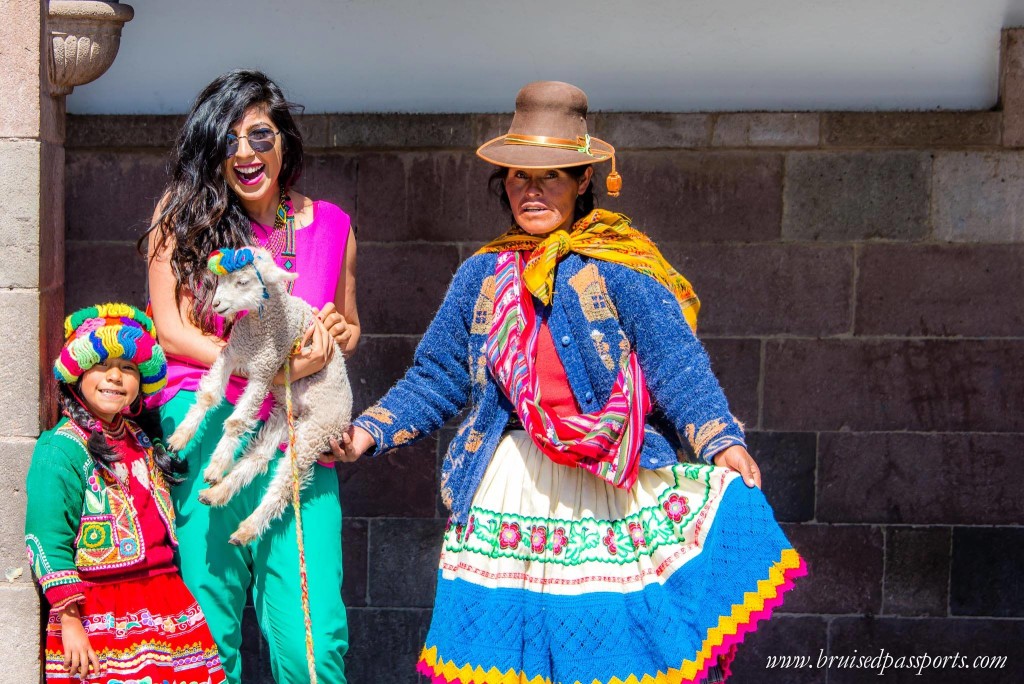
<point x="555" y="393"/>
<point x="159" y="552"/>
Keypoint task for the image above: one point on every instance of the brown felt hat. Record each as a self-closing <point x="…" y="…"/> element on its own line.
<point x="549" y="131"/>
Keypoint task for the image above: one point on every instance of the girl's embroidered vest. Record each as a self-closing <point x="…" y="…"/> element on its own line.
<point x="108" y="534"/>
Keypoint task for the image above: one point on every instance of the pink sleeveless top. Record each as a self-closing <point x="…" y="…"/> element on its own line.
<point x="319" y="260"/>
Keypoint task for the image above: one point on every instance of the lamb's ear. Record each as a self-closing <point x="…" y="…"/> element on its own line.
<point x="269" y="270"/>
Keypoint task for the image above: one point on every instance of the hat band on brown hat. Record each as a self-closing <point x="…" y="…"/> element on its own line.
<point x="581" y="144"/>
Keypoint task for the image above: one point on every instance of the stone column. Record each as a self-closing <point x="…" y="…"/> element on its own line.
<point x="32" y="265"/>
<point x="31" y="301"/>
<point x="1011" y="86"/>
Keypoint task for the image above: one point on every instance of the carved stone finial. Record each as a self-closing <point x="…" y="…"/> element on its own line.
<point x="84" y="37"/>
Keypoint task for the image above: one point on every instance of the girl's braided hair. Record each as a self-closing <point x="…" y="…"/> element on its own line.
<point x="148" y="421"/>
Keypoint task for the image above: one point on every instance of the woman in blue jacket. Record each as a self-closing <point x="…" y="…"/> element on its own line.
<point x="584" y="546"/>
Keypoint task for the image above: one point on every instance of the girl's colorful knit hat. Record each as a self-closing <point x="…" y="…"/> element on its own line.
<point x="113" y="330"/>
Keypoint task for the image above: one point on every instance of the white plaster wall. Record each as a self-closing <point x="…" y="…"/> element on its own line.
<point x="473" y="55"/>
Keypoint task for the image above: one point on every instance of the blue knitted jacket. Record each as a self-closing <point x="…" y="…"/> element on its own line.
<point x="599" y="312"/>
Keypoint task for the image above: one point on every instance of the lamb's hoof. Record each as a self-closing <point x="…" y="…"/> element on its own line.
<point x="212" y="476"/>
<point x="214" y="496"/>
<point x="211" y="497"/>
<point x="177" y="442"/>
<point x="242" y="536"/>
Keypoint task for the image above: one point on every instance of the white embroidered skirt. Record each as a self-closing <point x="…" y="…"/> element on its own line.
<point x="559" y="577"/>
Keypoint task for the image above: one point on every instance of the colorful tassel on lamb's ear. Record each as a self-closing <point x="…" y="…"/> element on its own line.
<point x="224" y="261"/>
<point x="213" y="263"/>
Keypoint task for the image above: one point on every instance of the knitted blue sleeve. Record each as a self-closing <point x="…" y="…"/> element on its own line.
<point x="437" y="385"/>
<point x="677" y="369"/>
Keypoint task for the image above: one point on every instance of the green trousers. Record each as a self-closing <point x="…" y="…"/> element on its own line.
<point x="219" y="574"/>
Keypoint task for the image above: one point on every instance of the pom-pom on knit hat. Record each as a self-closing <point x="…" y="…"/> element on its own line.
<point x="113" y="330"/>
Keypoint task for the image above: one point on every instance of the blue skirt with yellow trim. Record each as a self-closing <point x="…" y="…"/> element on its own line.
<point x="560" y="578"/>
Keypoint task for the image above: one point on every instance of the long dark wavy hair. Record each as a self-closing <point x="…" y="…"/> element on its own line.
<point x="585" y="203"/>
<point x="148" y="420"/>
<point x="198" y="210"/>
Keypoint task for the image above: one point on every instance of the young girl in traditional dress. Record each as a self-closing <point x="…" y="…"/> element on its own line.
<point x="100" y="526"/>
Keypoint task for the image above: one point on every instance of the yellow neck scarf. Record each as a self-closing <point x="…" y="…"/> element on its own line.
<point x="601" y="235"/>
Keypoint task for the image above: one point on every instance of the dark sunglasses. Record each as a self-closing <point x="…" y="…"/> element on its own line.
<point x="261" y="140"/>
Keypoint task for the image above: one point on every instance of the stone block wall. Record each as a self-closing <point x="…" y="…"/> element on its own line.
<point x="860" y="275"/>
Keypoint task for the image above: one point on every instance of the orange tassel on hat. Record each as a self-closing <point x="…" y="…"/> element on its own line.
<point x="614" y="181"/>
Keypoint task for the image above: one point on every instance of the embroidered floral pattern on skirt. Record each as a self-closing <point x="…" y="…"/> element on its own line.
<point x="559" y="577"/>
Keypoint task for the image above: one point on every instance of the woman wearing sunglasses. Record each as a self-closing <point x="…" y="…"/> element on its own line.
<point x="236" y="162"/>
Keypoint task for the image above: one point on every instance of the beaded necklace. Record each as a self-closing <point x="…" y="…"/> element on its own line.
<point x="116" y="429"/>
<point x="281" y="240"/>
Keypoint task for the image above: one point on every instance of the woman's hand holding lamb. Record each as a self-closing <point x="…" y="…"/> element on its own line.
<point x="316" y="351"/>
<point x="355" y="442"/>
<point x="336" y="324"/>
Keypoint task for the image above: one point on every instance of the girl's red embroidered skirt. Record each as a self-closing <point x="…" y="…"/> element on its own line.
<point x="148" y="631"/>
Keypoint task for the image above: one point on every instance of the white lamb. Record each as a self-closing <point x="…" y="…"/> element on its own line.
<point x="259" y="344"/>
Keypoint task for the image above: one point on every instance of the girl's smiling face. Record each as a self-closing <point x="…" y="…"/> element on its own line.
<point x="109" y="387"/>
<point x="253" y="175"/>
<point x="543" y="200"/>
